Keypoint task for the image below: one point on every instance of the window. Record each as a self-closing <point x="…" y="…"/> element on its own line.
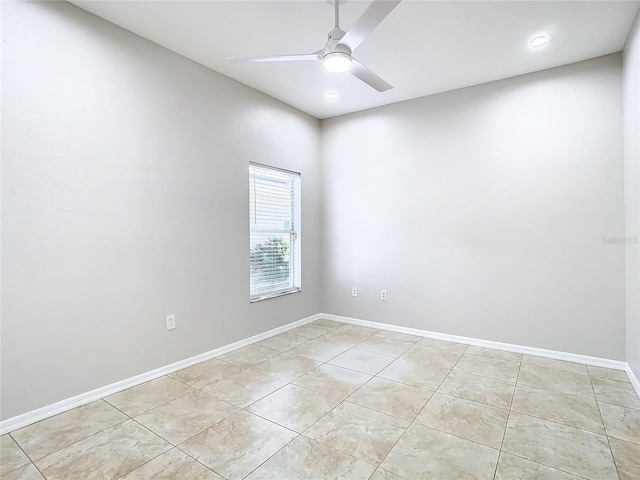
<point x="274" y="240"/>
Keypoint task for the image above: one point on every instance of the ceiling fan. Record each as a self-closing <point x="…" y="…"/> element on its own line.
<point x="337" y="53"/>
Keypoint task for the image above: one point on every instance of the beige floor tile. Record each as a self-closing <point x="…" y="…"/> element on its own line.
<point x="349" y="420"/>
<point x="361" y="361"/>
<point x="511" y="467"/>
<point x="361" y="329"/>
<point x="415" y="374"/>
<point x="27" y="472"/>
<point x="172" y="465"/>
<point x="47" y="436"/>
<point x="400" y="337"/>
<point x="244" y="388"/>
<point x="249" y="355"/>
<point x="488" y="367"/>
<point x="327" y="323"/>
<point x="358" y="431"/>
<point x="381" y="474"/>
<point x="436" y="357"/>
<point x="282" y="342"/>
<point x="478" y="388"/>
<point x="435" y="343"/>
<point x="310" y="330"/>
<point x="306" y="459"/>
<point x="393" y="398"/>
<point x="627" y="457"/>
<point x="385" y="346"/>
<point x="286" y="366"/>
<point x="237" y="445"/>
<point x="139" y="399"/>
<point x="206" y="373"/>
<point x="493" y="353"/>
<point x="621" y="422"/>
<point x="318" y="350"/>
<point x="471" y="420"/>
<point x="333" y="381"/>
<point x="556" y="380"/>
<point x="555" y="364"/>
<point x="182" y="418"/>
<point x="294" y="407"/>
<point x="608" y="373"/>
<point x="618" y="393"/>
<point x="109" y="454"/>
<point x="572" y="410"/>
<point x="424" y="453"/>
<point x="11" y="456"/>
<point x="570" y="449"/>
<point x="348" y="335"/>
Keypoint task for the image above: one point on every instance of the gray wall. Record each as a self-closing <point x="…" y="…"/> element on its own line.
<point x="125" y="198"/>
<point x="482" y="211"/>
<point x="631" y="89"/>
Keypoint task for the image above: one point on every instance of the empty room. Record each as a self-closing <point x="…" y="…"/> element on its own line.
<point x="308" y="240"/>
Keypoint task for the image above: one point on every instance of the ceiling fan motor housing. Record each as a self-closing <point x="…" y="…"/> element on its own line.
<point x="337" y="56"/>
<point x="334" y="47"/>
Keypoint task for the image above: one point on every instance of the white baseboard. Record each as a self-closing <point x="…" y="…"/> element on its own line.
<point x="633" y="379"/>
<point x="47" y="411"/>
<point x="538" y="352"/>
<point x="19" y="421"/>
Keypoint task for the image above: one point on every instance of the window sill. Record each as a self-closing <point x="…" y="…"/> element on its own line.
<point x="277" y="294"/>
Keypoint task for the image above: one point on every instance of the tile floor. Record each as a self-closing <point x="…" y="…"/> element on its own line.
<point x="334" y="401"/>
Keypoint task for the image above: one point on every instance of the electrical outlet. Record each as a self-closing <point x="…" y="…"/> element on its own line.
<point x="171" y="321"/>
<point x="383" y="295"/>
<point x="354" y="292"/>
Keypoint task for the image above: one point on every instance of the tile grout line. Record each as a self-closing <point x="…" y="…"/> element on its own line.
<point x="157" y="435"/>
<point x="323" y="416"/>
<point x="343" y="400"/>
<point x="271" y="456"/>
<point x="604" y="426"/>
<point x="31" y="460"/>
<point x="39" y="471"/>
<point x="129" y="417"/>
<point x="418" y="414"/>
<point x="196" y="460"/>
<point x="526" y="414"/>
<point x="548" y="466"/>
<point x="557" y="423"/>
<point x="506" y="424"/>
<point x="156" y="406"/>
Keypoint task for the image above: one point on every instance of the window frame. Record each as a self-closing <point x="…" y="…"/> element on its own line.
<point x="295" y="277"/>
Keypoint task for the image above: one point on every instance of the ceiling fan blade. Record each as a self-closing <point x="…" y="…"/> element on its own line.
<point x="278" y="58"/>
<point x="369" y="20"/>
<point x="367" y="76"/>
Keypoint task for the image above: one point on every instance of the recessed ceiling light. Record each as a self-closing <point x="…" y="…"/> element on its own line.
<point x="539" y="41"/>
<point x="331" y="95"/>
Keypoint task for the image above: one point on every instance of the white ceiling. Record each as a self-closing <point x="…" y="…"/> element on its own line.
<point x="421" y="48"/>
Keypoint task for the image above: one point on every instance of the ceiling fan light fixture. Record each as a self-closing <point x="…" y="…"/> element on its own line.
<point x="337" y="62"/>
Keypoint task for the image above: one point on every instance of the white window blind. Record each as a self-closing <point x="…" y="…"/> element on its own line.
<point x="274" y="251"/>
